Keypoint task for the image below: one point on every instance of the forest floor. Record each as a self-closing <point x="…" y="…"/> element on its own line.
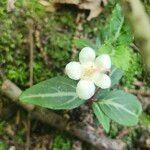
<point x="51" y="36"/>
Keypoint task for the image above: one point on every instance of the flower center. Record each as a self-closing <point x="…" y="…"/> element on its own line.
<point x="88" y="70"/>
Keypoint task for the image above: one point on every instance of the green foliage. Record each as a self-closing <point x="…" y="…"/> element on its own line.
<point x="2" y="146"/>
<point x="55" y="93"/>
<point x="114" y="129"/>
<point x="117" y="105"/>
<point x="147" y="6"/>
<point x="20" y="136"/>
<point x="121" y="107"/>
<point x="117" y="37"/>
<point x="120" y="55"/>
<point x="132" y="138"/>
<point x="14" y="46"/>
<point x="112" y="30"/>
<point x="2" y="126"/>
<point x="61" y="142"/>
<point x="80" y="43"/>
<point x="116" y="75"/>
<point x="56" y="32"/>
<point x="32" y="8"/>
<point x="11" y="41"/>
<point x="145" y="119"/>
<point x="102" y="118"/>
<point x="134" y="71"/>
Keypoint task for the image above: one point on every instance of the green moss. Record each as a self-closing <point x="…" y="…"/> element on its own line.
<point x="132" y="138"/>
<point x="2" y="127"/>
<point x="20" y="136"/>
<point x="145" y="119"/>
<point x="2" y="145"/>
<point x="134" y="70"/>
<point x="61" y="142"/>
<point x="147" y="6"/>
<point x="56" y="31"/>
<point x="114" y="130"/>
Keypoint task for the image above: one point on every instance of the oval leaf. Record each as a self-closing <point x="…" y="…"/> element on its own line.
<point x="123" y="108"/>
<point x="55" y="93"/>
<point x="101" y="117"/>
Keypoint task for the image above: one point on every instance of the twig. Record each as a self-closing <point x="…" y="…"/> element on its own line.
<point x="30" y="25"/>
<point x="140" y="24"/>
<point x="30" y="38"/>
<point x="132" y="45"/>
<point x="138" y="92"/>
<point x="126" y="131"/>
<point x="53" y="119"/>
<point x="79" y="28"/>
<point x="39" y="45"/>
<point x="139" y="83"/>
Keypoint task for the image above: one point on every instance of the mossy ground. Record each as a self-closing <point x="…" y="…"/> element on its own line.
<point x="56" y="38"/>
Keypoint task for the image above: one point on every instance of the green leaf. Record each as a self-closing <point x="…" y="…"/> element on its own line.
<point x="55" y="93"/>
<point x="120" y="55"/>
<point x="114" y="26"/>
<point x="101" y="117"/>
<point x="115" y="75"/>
<point x="80" y="43"/>
<point x="123" y="108"/>
<point x="125" y="37"/>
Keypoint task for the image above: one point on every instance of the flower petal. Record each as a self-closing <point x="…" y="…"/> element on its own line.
<point x="73" y="70"/>
<point x="103" y="81"/>
<point x="103" y="61"/>
<point x="85" y="89"/>
<point x="87" y="54"/>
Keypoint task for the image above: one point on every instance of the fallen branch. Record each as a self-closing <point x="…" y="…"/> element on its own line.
<point x="55" y="120"/>
<point x="95" y="7"/>
<point x="140" y="24"/>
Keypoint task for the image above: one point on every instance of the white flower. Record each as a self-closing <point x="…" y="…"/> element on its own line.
<point x="90" y="71"/>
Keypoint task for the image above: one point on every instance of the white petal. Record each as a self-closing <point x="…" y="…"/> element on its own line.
<point x="103" y="61"/>
<point x="103" y="81"/>
<point x="73" y="70"/>
<point x="85" y="89"/>
<point x="87" y="54"/>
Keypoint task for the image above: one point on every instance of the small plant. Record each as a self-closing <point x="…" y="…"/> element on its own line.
<point x="93" y="79"/>
<point x="107" y="103"/>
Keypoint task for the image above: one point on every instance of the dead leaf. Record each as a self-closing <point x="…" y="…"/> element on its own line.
<point x="148" y="142"/>
<point x="94" y="6"/>
<point x="77" y="145"/>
